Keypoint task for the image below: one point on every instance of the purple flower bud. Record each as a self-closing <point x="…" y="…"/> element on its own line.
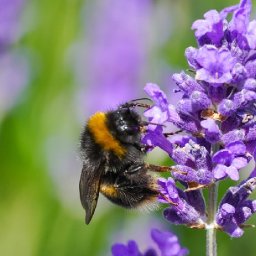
<point x="239" y="23"/>
<point x="199" y="101"/>
<point x="226" y="107"/>
<point x="232" y="136"/>
<point x="210" y="30"/>
<point x="191" y="54"/>
<point x="235" y="208"/>
<point x="251" y="68"/>
<point x="186" y="83"/>
<point x="159" y="113"/>
<point x="239" y="73"/>
<point x="250" y="84"/>
<point x="212" y="131"/>
<point x="182" y="212"/>
<point x="184" y="107"/>
<point x="251" y="34"/>
<point x="157" y="95"/>
<point x="244" y="97"/>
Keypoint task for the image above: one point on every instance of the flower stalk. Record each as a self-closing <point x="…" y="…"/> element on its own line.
<point x="211" y="239"/>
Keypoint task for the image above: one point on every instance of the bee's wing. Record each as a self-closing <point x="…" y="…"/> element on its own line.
<point x="89" y="187"/>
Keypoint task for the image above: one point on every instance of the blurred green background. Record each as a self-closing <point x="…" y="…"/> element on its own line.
<point x="59" y="85"/>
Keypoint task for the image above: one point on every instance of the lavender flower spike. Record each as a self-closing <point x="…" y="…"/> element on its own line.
<point x="217" y="119"/>
<point x="167" y="243"/>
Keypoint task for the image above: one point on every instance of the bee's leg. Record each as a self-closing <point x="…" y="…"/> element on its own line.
<point x="134" y="168"/>
<point x="168" y="200"/>
<point x="166" y="134"/>
<point x="157" y="168"/>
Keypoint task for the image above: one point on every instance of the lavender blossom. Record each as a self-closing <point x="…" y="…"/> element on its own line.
<point x="167" y="244"/>
<point x="10" y="12"/>
<point x="217" y="117"/>
<point x="13" y="67"/>
<point x="115" y="54"/>
<point x="13" y="78"/>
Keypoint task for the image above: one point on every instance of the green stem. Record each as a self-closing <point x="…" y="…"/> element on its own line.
<point x="211" y="244"/>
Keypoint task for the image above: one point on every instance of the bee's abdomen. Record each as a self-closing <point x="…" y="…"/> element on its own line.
<point x="127" y="191"/>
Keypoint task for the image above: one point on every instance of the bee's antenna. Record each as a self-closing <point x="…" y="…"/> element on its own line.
<point x="145" y="123"/>
<point x="141" y="99"/>
<point x="134" y="103"/>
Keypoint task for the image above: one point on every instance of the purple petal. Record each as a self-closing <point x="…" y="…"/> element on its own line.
<point x="250" y="84"/>
<point x="156" y="115"/>
<point x="199" y="101"/>
<point x="130" y="250"/>
<point x="239" y="162"/>
<point x="168" y="243"/>
<point x="223" y="156"/>
<point x="209" y="30"/>
<point x="226" y="107"/>
<point x="157" y="139"/>
<point x="157" y="95"/>
<point x="236" y="148"/>
<point x="186" y="83"/>
<point x="219" y="172"/>
<point x="216" y="64"/>
<point x="232" y="172"/>
<point x="212" y="131"/>
<point x="233" y="136"/>
<point x="251" y="34"/>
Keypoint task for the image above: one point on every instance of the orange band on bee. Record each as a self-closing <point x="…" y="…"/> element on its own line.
<point x="97" y="126"/>
<point x="108" y="190"/>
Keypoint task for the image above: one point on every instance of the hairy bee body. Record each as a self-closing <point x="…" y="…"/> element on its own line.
<point x="113" y="163"/>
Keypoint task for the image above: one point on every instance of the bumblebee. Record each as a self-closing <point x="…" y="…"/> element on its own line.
<point x="113" y="160"/>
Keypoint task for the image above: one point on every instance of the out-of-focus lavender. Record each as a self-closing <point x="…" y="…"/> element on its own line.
<point x="13" y="78"/>
<point x="112" y="58"/>
<point x="10" y="12"/>
<point x="13" y="67"/>
<point x="167" y="245"/>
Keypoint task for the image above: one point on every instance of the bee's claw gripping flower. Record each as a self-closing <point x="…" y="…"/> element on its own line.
<point x="217" y="117"/>
<point x="167" y="243"/>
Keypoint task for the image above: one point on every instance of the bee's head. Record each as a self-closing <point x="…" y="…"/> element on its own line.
<point x="127" y="121"/>
<point x="125" y="124"/>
